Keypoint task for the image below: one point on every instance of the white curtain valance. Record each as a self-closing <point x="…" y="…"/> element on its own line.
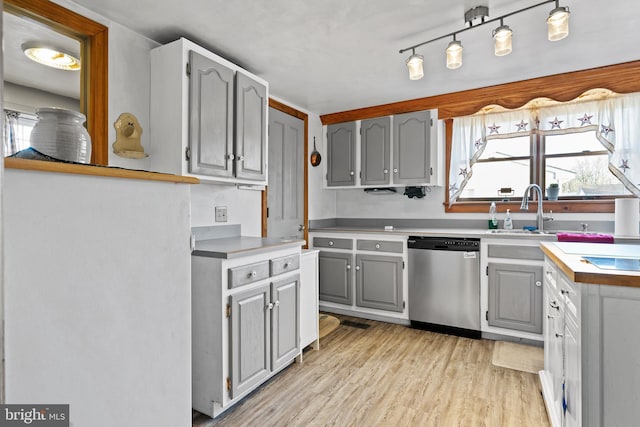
<point x="616" y="122"/>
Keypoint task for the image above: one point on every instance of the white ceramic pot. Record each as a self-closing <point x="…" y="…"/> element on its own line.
<point x="59" y="133"/>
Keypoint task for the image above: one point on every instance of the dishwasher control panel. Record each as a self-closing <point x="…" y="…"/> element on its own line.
<point x="444" y="243"/>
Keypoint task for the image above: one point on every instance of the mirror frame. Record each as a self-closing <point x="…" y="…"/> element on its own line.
<point x="93" y="38"/>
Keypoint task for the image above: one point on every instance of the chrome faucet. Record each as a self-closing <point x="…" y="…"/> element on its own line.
<point x="540" y="218"/>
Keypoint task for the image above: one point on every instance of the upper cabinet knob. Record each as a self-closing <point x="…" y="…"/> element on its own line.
<point x="386" y="171"/>
<point x="377" y="245"/>
<point x="330" y="242"/>
<point x="352" y="173"/>
<point x="395" y="170"/>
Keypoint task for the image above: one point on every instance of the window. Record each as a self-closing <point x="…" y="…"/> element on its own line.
<point x="577" y="162"/>
<point x="18" y="128"/>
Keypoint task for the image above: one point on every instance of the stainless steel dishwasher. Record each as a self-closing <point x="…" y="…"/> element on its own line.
<point x="444" y="284"/>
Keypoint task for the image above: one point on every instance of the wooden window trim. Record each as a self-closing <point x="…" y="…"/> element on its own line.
<point x="93" y="38"/>
<point x="620" y="78"/>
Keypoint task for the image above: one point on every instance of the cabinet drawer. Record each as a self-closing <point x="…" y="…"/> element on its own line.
<point x="284" y="264"/>
<point x="246" y="274"/>
<point x="328" y="242"/>
<point x="515" y="252"/>
<point x="380" y="246"/>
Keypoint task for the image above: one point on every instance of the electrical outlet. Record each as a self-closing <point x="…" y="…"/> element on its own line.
<point x="221" y="214"/>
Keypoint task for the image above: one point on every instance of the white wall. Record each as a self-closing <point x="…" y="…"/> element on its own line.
<point x="98" y="297"/>
<point x="27" y="99"/>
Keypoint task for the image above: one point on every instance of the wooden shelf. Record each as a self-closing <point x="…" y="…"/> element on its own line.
<point x="94" y="170"/>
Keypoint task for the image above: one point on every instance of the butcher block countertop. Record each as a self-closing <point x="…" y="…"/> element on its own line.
<point x="569" y="258"/>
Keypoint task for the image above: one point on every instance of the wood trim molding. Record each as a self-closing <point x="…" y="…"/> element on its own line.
<point x="305" y="118"/>
<point x="93" y="170"/>
<point x="93" y="38"/>
<point x="620" y="78"/>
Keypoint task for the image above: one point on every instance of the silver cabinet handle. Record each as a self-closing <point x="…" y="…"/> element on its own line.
<point x="286" y="265"/>
<point x="357" y="268"/>
<point x="538" y="283"/>
<point x="252" y="274"/>
<point x="377" y="245"/>
<point x="550" y="316"/>
<point x="277" y="303"/>
<point x="300" y="227"/>
<point x="270" y="306"/>
<point x="240" y="158"/>
<point x="386" y="171"/>
<point x="330" y="242"/>
<point x="395" y="170"/>
<point x="352" y="173"/>
<point x="348" y="266"/>
<point x="559" y="335"/>
<point x="230" y="156"/>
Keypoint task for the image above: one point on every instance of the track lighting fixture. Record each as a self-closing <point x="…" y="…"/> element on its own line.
<point x="557" y="27"/>
<point x="454" y="54"/>
<point x="414" y="63"/>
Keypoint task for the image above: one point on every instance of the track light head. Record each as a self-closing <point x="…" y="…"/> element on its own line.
<point x="558" y="23"/>
<point x="454" y="55"/>
<point x="502" y="40"/>
<point x="414" y="64"/>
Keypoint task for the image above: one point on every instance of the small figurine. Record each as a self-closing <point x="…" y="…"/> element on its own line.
<point x="128" y="133"/>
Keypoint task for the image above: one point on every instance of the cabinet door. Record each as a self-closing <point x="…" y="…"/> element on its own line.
<point x="285" y="332"/>
<point x="412" y="148"/>
<point x="250" y="327"/>
<point x="251" y="128"/>
<point x="335" y="277"/>
<point x="341" y="154"/>
<point x="379" y="282"/>
<point x="210" y="117"/>
<point x="573" y="383"/>
<point x="553" y="346"/>
<point x="515" y="297"/>
<point x="375" y="151"/>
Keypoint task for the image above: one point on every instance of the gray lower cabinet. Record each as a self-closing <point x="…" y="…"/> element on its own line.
<point x="515" y="297"/>
<point x="264" y="332"/>
<point x="341" y="154"/>
<point x="379" y="282"/>
<point x="335" y="277"/>
<point x="285" y="338"/>
<point x="250" y="355"/>
<point x="375" y="150"/>
<point x="412" y="148"/>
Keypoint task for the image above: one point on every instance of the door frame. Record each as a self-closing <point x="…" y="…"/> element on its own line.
<point x="305" y="118"/>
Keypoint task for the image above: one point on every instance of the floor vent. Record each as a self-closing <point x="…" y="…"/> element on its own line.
<point x="354" y="324"/>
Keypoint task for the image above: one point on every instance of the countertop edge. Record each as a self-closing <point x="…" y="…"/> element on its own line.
<point x="95" y="170"/>
<point x="581" y="271"/>
<point x="232" y="254"/>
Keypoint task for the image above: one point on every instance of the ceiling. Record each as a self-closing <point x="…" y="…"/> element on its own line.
<point x="334" y="55"/>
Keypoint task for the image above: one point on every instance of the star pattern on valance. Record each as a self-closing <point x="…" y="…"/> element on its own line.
<point x="493" y="129"/>
<point x="585" y="120"/>
<point x="606" y="129"/>
<point x="555" y="123"/>
<point x="522" y="126"/>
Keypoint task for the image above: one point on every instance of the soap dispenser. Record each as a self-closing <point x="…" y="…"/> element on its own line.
<point x="508" y="223"/>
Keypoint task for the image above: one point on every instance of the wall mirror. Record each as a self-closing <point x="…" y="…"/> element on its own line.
<point x="85" y="90"/>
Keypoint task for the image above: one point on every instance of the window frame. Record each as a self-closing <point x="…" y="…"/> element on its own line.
<point x="537" y="169"/>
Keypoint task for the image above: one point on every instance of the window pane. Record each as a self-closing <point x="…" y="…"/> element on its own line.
<point x="489" y="177"/>
<point x="511" y="147"/>
<point x="572" y="143"/>
<point x="583" y="176"/>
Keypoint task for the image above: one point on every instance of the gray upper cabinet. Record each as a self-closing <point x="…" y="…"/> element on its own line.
<point x="341" y="154"/>
<point x="375" y="150"/>
<point x="210" y="117"/>
<point x="379" y="282"/>
<point x="251" y="128"/>
<point x="335" y="277"/>
<point x="412" y="148"/>
<point x="515" y="297"/>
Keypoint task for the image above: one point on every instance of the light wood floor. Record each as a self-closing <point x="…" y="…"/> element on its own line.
<point x="391" y="375"/>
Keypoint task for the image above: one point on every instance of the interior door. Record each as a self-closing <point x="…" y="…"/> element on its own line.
<point x="285" y="194"/>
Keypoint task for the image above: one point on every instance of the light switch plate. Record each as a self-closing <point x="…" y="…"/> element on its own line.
<point x="221" y="214"/>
